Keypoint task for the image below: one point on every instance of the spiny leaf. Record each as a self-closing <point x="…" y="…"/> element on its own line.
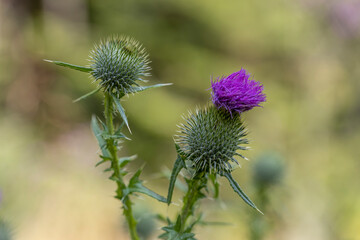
<point x="118" y="131"/>
<point x="178" y="184"/>
<point x="192" y="225"/>
<point x="135" y="178"/>
<point x="177" y="225"/>
<point x="216" y="185"/>
<point x="121" y="111"/>
<point x="86" y="95"/>
<point x="103" y="125"/>
<point x="142" y="189"/>
<point x="125" y="160"/>
<point x="179" y="164"/>
<point x="99" y="163"/>
<point x="68" y="65"/>
<point x="239" y="191"/>
<point x="98" y="134"/>
<point x="114" y="136"/>
<point x="103" y="160"/>
<point x="143" y="88"/>
<point x="172" y="234"/>
<point x="135" y="185"/>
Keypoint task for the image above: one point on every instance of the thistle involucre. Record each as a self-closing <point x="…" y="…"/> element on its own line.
<point x="210" y="139"/>
<point x="118" y="63"/>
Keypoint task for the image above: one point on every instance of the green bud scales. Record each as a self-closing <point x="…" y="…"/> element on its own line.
<point x="118" y="63"/>
<point x="210" y="139"/>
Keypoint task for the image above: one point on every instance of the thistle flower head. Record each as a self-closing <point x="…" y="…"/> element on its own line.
<point x="210" y="139"/>
<point x="237" y="93"/>
<point x="118" y="63"/>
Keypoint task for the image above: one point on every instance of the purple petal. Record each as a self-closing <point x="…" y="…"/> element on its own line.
<point x="237" y="93"/>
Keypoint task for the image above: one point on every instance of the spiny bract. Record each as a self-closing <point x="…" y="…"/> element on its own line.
<point x="118" y="63"/>
<point x="210" y="139"/>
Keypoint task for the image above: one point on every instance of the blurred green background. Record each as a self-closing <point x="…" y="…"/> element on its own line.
<point x="305" y="52"/>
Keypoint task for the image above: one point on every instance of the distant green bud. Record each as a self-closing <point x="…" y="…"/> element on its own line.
<point x="210" y="139"/>
<point x="118" y="63"/>
<point x="5" y="231"/>
<point x="268" y="169"/>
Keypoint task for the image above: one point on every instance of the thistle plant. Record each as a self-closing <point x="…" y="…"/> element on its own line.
<point x="207" y="144"/>
<point x="267" y="172"/>
<point x="118" y="65"/>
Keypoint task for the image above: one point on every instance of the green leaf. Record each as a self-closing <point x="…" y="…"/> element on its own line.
<point x="192" y="225"/>
<point x="86" y="95"/>
<point x="118" y="131"/>
<point x="143" y="88"/>
<point x="172" y="234"/>
<point x="187" y="236"/>
<point x="68" y="65"/>
<point x="239" y="191"/>
<point x="135" y="178"/>
<point x="103" y="160"/>
<point x="114" y="136"/>
<point x="216" y="185"/>
<point x="98" y="134"/>
<point x="177" y="225"/>
<point x="121" y="111"/>
<point x="142" y="189"/>
<point x="178" y="184"/>
<point x="179" y="164"/>
<point x="125" y="160"/>
<point x="99" y="163"/>
<point x="135" y="185"/>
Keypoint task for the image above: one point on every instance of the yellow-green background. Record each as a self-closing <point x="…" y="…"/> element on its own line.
<point x="306" y="54"/>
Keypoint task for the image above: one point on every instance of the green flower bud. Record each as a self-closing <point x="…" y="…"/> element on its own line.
<point x="118" y="63"/>
<point x="5" y="231"/>
<point x="210" y="139"/>
<point x="268" y="169"/>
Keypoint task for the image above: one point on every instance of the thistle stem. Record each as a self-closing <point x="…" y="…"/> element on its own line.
<point x="112" y="147"/>
<point x="192" y="196"/>
<point x="258" y="225"/>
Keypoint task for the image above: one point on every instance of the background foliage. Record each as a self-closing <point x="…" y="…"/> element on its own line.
<point x="304" y="52"/>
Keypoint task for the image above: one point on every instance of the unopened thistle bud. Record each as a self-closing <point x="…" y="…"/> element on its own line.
<point x="118" y="63"/>
<point x="237" y="93"/>
<point x="268" y="169"/>
<point x="210" y="139"/>
<point x="5" y="231"/>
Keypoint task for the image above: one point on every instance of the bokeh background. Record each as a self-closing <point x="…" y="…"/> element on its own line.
<point x="304" y="167"/>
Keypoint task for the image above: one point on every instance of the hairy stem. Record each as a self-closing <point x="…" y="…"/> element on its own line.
<point x="258" y="225"/>
<point x="192" y="196"/>
<point x="112" y="147"/>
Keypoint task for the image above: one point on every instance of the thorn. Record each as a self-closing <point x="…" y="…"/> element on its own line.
<point x="259" y="211"/>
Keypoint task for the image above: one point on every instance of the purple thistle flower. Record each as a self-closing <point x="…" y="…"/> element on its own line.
<point x="237" y="93"/>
